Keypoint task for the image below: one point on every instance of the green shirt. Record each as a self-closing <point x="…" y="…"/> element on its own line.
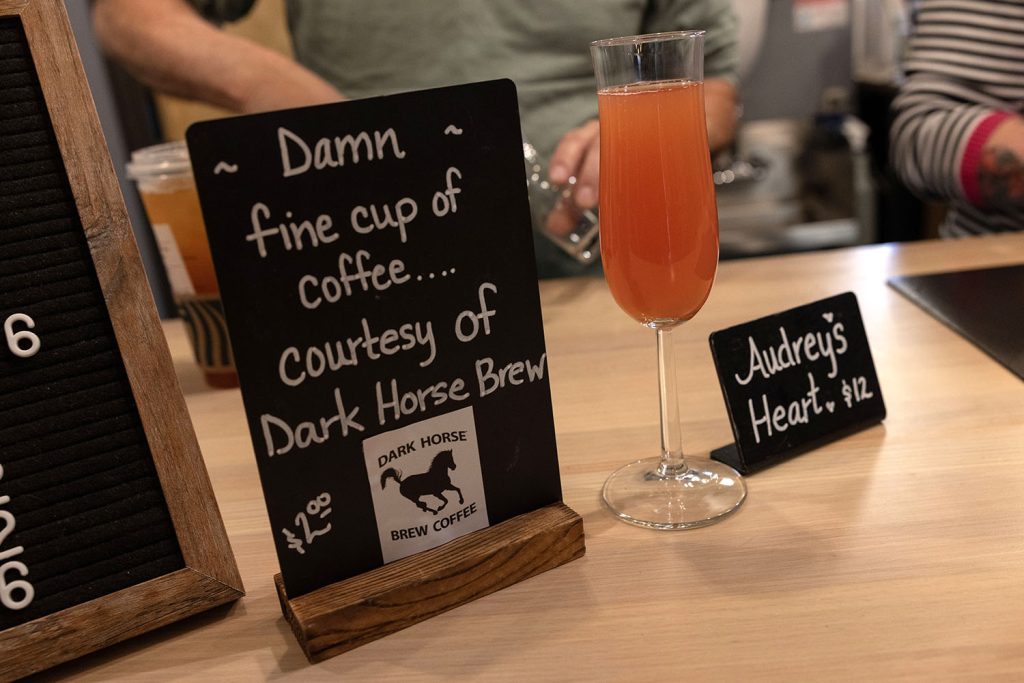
<point x="378" y="47"/>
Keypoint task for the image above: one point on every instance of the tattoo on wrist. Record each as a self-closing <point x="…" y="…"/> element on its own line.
<point x="1001" y="177"/>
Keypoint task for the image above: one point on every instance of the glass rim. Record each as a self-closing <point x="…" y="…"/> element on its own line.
<point x="647" y="38"/>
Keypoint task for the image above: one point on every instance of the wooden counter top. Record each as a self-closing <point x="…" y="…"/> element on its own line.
<point x="898" y="551"/>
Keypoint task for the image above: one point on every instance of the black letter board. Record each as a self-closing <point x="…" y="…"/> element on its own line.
<point x="795" y="380"/>
<point x="376" y="264"/>
<point x="96" y="541"/>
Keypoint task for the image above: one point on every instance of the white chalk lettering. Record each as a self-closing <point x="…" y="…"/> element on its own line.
<point x="397" y="403"/>
<point x="280" y="437"/>
<point x="780" y="418"/>
<point x="788" y="354"/>
<point x="489" y="380"/>
<point x="292" y="235"/>
<point x="283" y="137"/>
<point x="365" y="220"/>
<point x="295" y="366"/>
<point x="297" y="157"/>
<point x="314" y="291"/>
<point x="837" y="332"/>
<point x="444" y="200"/>
<point x="476" y="319"/>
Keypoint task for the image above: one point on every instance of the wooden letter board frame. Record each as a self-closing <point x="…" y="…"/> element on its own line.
<point x="210" y="576"/>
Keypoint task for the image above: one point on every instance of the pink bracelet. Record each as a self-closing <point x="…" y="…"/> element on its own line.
<point x="972" y="154"/>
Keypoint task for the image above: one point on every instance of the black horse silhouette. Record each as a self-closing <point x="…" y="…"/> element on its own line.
<point x="434" y="482"/>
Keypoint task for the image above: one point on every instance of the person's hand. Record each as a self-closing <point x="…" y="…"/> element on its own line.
<point x="577" y="155"/>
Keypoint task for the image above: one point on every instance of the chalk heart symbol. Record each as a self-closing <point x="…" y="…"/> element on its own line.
<point x="830" y="406"/>
<point x="827" y="317"/>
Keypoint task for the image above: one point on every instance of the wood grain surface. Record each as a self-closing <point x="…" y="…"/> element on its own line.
<point x="897" y="552"/>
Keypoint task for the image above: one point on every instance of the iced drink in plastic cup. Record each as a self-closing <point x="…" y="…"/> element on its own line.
<point x="163" y="176"/>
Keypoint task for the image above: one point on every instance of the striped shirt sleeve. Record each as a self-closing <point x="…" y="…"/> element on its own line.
<point x="965" y="74"/>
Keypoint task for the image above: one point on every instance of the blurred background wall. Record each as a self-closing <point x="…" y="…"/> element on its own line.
<point x="795" y="67"/>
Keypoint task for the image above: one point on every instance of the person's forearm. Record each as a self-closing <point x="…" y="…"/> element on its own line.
<point x="720" y="106"/>
<point x="169" y="47"/>
<point x="1000" y="170"/>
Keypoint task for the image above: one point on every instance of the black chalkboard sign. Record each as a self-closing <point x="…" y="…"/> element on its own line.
<point x="108" y="527"/>
<point x="375" y="260"/>
<point x="795" y="380"/>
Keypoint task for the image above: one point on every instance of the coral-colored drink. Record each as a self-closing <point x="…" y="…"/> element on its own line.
<point x="175" y="203"/>
<point x="659" y="223"/>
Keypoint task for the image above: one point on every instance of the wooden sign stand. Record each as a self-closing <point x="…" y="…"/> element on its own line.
<point x="356" y="611"/>
<point x="208" y="575"/>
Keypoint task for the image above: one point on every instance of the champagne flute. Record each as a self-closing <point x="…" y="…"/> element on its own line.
<point x="659" y="245"/>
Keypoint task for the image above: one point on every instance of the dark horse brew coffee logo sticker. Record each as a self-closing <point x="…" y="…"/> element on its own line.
<point x="375" y="261"/>
<point x="431" y="486"/>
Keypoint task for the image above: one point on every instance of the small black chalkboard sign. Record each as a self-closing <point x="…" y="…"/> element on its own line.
<point x="795" y="380"/>
<point x="375" y="260"/>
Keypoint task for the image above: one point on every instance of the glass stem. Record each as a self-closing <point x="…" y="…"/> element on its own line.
<point x="672" y="461"/>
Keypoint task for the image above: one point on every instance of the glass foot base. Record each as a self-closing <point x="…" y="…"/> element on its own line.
<point x="704" y="493"/>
